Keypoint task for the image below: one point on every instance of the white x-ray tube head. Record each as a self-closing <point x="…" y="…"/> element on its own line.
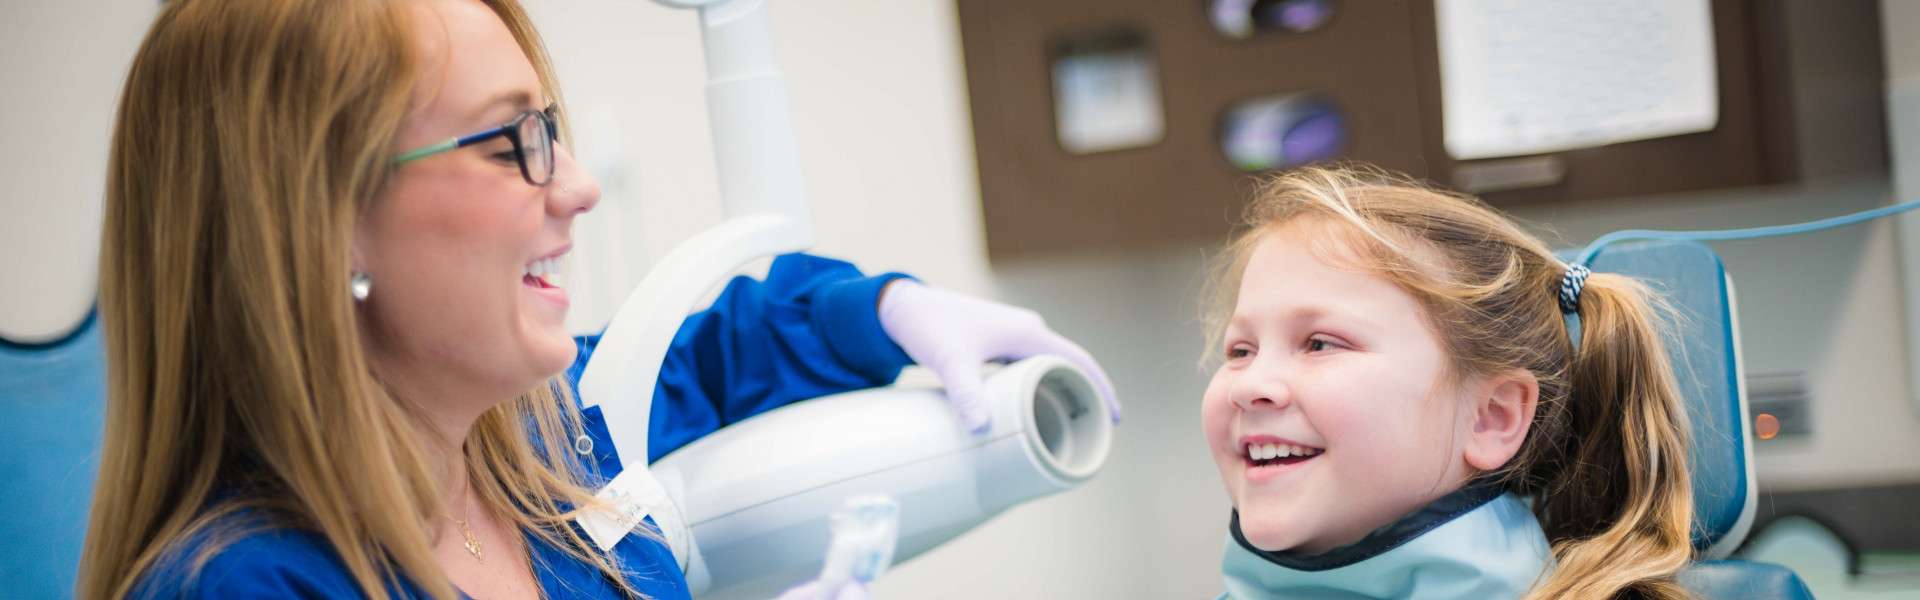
<point x="757" y="494"/>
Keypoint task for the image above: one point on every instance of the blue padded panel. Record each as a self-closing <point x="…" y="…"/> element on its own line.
<point x="1702" y="349"/>
<point x="51" y="401"/>
<point x="1743" y="580"/>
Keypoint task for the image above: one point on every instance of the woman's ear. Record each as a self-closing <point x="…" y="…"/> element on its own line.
<point x="357" y="247"/>
<point x="1502" y="414"/>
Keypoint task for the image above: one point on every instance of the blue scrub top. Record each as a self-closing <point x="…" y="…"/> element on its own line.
<point x="810" y="329"/>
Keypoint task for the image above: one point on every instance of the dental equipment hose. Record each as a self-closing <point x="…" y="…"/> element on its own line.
<point x="1586" y="255"/>
<point x="1709" y="235"/>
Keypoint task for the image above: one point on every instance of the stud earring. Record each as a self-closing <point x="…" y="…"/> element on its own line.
<point x="362" y="285"/>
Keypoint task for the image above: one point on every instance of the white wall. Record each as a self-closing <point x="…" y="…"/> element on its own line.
<point x="63" y="64"/>
<point x="879" y="110"/>
<point x="1900" y="33"/>
<point x="629" y="65"/>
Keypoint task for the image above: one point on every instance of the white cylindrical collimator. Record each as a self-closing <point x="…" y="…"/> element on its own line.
<point x="757" y="494"/>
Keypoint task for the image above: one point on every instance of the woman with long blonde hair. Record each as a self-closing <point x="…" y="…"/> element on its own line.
<point x="334" y="325"/>
<point x="1402" y="407"/>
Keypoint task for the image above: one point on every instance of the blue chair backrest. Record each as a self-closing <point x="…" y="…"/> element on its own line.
<point x="1704" y="348"/>
<point x="51" y="400"/>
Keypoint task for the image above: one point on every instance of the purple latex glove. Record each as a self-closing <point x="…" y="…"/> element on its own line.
<point x="820" y="590"/>
<point x="953" y="335"/>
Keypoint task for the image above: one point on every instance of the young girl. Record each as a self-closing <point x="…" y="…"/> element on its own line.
<point x="1415" y="398"/>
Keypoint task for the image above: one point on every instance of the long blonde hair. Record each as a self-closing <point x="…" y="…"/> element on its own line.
<point x="1605" y="458"/>
<point x="250" y="137"/>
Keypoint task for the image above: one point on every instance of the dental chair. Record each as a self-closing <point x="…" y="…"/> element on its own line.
<point x="1705" y="349"/>
<point x="52" y="397"/>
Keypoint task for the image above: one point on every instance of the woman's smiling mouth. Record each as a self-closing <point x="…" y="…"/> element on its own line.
<point x="544" y="276"/>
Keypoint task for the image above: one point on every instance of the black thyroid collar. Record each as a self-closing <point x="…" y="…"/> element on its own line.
<point x="1379" y="541"/>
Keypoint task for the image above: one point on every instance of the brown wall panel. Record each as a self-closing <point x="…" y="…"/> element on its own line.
<point x="1376" y="59"/>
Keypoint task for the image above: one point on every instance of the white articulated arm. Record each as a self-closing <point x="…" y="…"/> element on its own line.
<point x="764" y="196"/>
<point x="745" y="508"/>
<point x="766" y="208"/>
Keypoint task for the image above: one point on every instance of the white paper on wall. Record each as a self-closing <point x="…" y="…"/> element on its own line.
<point x="1524" y="77"/>
<point x="1107" y="100"/>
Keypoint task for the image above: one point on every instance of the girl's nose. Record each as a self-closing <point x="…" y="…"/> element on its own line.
<point x="1262" y="390"/>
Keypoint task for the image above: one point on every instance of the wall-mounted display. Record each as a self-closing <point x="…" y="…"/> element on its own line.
<point x="1281" y="131"/>
<point x="1519" y="77"/>
<point x="1106" y="92"/>
<point x="1245" y="18"/>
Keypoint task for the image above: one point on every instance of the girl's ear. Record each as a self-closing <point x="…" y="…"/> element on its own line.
<point x="1502" y="413"/>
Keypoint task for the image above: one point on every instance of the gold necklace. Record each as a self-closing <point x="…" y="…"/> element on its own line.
<point x="472" y="543"/>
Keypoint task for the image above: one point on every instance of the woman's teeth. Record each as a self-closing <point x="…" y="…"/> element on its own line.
<point x="546" y="270"/>
<point x="1273" y="451"/>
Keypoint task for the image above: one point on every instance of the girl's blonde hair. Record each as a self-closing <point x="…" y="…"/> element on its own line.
<point x="250" y="138"/>
<point x="1605" y="458"/>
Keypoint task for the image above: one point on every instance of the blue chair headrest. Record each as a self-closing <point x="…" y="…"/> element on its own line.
<point x="1704" y="347"/>
<point x="52" y="397"/>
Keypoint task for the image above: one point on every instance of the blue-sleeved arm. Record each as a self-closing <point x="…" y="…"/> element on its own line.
<point x="811" y="329"/>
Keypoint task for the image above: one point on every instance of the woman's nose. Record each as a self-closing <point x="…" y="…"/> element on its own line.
<point x="573" y="190"/>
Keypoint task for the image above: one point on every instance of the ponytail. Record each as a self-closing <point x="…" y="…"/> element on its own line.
<point x="1616" y="497"/>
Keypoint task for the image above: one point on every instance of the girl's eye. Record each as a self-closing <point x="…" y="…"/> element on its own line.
<point x="505" y="157"/>
<point x="1239" y="352"/>
<point x="1317" y="344"/>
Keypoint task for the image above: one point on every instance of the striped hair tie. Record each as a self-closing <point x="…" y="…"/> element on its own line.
<point x="1570" y="287"/>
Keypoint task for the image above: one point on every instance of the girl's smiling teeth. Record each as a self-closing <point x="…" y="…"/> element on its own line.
<point x="1269" y="452"/>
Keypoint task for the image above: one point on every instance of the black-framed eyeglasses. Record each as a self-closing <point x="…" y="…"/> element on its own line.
<point x="532" y="133"/>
